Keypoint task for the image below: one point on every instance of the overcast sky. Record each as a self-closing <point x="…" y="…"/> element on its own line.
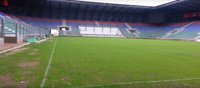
<point x="134" y="2"/>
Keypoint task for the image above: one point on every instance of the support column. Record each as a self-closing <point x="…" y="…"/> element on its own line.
<point x="16" y="31"/>
<point x="1" y="33"/>
<point x="2" y="28"/>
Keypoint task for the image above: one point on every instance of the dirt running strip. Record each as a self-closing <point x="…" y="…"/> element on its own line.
<point x="48" y="66"/>
<point x="14" y="48"/>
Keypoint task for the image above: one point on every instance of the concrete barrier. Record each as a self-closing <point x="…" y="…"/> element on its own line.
<point x="1" y="42"/>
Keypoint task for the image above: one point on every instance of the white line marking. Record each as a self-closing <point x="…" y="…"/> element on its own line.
<point x="48" y="66"/>
<point x="139" y="82"/>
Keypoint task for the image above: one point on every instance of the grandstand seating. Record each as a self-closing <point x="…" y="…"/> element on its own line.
<point x="124" y="30"/>
<point x="144" y="30"/>
<point x="154" y="31"/>
<point x="18" y="30"/>
<point x="189" y="32"/>
<point x="151" y="31"/>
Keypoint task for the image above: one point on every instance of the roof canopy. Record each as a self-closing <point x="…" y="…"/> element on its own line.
<point x="151" y="3"/>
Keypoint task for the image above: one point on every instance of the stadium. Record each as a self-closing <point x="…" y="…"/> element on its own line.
<point x="99" y="43"/>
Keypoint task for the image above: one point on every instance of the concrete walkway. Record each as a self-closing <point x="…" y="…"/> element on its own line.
<point x="7" y="47"/>
<point x="12" y="46"/>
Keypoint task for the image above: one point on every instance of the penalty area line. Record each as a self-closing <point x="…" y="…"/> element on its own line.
<point x="140" y="82"/>
<point x="48" y="66"/>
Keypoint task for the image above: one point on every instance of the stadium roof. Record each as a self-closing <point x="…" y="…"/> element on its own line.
<point x="152" y="3"/>
<point x="180" y="6"/>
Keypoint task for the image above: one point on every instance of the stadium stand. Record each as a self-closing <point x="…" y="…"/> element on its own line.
<point x="146" y="30"/>
<point x="125" y="31"/>
<point x="185" y="30"/>
<point x="130" y="21"/>
<point x="189" y="31"/>
<point x="120" y="29"/>
<point x="14" y="30"/>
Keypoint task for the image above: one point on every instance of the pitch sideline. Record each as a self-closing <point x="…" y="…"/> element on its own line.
<point x="140" y="82"/>
<point x="48" y="66"/>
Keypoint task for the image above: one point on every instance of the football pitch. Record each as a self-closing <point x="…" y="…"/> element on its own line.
<point x="78" y="62"/>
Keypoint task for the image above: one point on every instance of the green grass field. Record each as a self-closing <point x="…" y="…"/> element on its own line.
<point x="103" y="63"/>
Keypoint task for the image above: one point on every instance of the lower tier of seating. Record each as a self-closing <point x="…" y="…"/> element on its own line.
<point x="190" y="30"/>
